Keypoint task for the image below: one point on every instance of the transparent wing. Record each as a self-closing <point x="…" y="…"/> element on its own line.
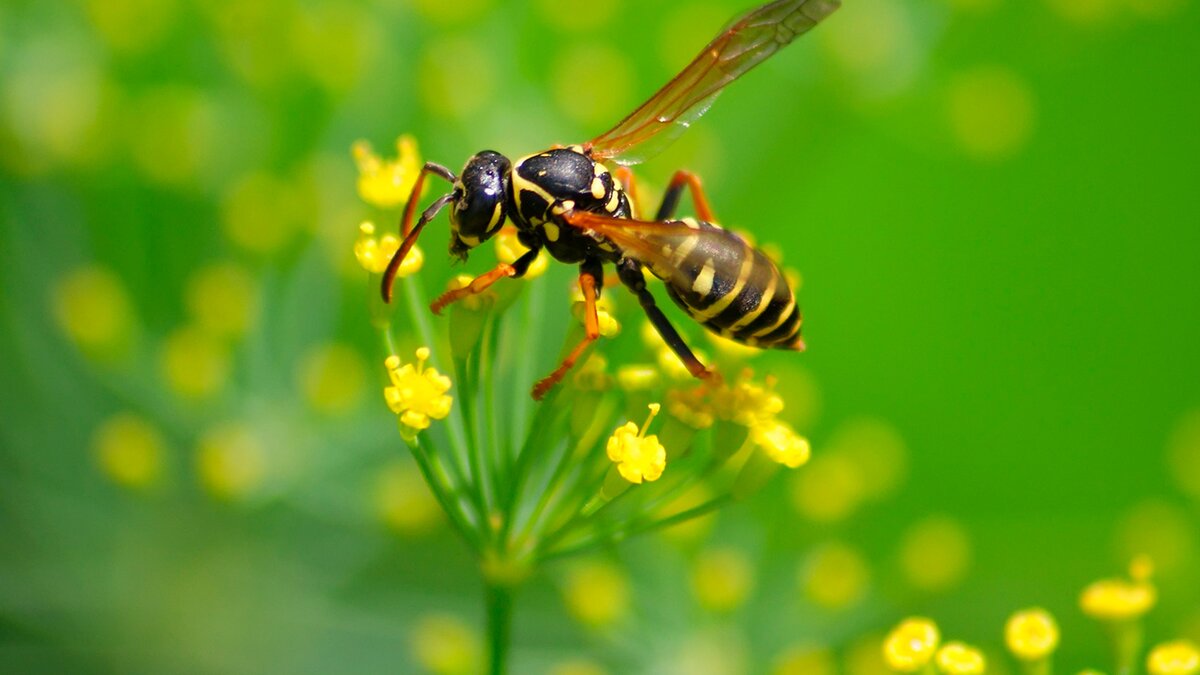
<point x="747" y="42"/>
<point x="661" y="246"/>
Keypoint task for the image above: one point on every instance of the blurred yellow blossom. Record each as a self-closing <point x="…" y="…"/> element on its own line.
<point x="1119" y="599"/>
<point x="991" y="111"/>
<point x="509" y="248"/>
<point x="93" y="308"/>
<point x="911" y="645"/>
<point x="805" y="660"/>
<point x="1180" y="657"/>
<point x="445" y="645"/>
<point x="835" y="576"/>
<point x="637" y="377"/>
<point x="747" y="402"/>
<point x="721" y="579"/>
<point x="596" y="593"/>
<point x="1183" y="453"/>
<point x="387" y="183"/>
<point x="403" y="500"/>
<point x="577" y="667"/>
<point x="333" y="378"/>
<point x="638" y="457"/>
<point x="130" y="450"/>
<point x="223" y="299"/>
<point x="231" y="461"/>
<point x="194" y="363"/>
<point x="935" y="553"/>
<point x="828" y="490"/>
<point x="957" y="658"/>
<point x="261" y="212"/>
<point x="1031" y="634"/>
<point x="375" y="252"/>
<point x="417" y="394"/>
<point x="781" y="443"/>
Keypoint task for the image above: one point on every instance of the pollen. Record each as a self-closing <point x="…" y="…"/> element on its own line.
<point x="957" y="658"/>
<point x="638" y="457"/>
<point x="781" y="443"/>
<point x="417" y="394"/>
<point x="509" y="248"/>
<point x="1031" y="635"/>
<point x="1180" y="657"/>
<point x="387" y="183"/>
<point x="911" y="645"/>
<point x="1119" y="599"/>
<point x="375" y="252"/>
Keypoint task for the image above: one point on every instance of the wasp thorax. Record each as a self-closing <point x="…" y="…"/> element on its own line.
<point x="478" y="211"/>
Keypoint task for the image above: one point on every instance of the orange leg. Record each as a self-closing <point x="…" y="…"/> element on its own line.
<point x="478" y="285"/>
<point x="624" y="174"/>
<point x="671" y="197"/>
<point x="591" y="326"/>
<point x="408" y="232"/>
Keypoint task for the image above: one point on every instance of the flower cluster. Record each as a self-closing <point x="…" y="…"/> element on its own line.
<point x="1031" y="636"/>
<point x="524" y="482"/>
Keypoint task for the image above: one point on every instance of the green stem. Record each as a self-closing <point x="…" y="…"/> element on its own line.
<point x="614" y="535"/>
<point x="498" y="598"/>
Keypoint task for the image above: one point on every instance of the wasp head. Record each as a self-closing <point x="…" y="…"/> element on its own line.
<point x="479" y="210"/>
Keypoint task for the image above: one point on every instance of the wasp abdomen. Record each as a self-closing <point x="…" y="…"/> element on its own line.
<point x="732" y="288"/>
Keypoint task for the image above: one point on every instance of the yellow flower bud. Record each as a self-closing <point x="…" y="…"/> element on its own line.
<point x="911" y="645"/>
<point x="1031" y="635"/>
<point x="957" y="658"/>
<point x="1180" y="657"/>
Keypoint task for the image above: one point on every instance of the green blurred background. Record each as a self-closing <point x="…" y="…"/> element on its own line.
<point x="992" y="203"/>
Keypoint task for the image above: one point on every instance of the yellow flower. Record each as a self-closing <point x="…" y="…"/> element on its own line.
<point x="387" y="183"/>
<point x="609" y="326"/>
<point x="637" y="377"/>
<point x="638" y="456"/>
<point x="509" y="248"/>
<point x="747" y="402"/>
<point x="781" y="443"/>
<point x="1118" y="599"/>
<point x="957" y="658"/>
<point x="911" y="645"/>
<point x="375" y="252"/>
<point x="1180" y="657"/>
<point x="1031" y="634"/>
<point x="691" y="406"/>
<point x="417" y="394"/>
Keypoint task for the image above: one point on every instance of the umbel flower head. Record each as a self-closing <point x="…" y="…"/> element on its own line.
<point x="524" y="482"/>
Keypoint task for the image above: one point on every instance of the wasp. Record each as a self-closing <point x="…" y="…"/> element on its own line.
<point x="567" y="201"/>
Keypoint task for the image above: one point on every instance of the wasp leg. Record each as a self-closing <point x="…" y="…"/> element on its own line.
<point x="481" y="283"/>
<point x="671" y="198"/>
<point x="624" y="176"/>
<point x="389" y="274"/>
<point x="630" y="272"/>
<point x="411" y="207"/>
<point x="590" y="282"/>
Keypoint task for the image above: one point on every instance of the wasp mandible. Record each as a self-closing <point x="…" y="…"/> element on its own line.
<point x="568" y="202"/>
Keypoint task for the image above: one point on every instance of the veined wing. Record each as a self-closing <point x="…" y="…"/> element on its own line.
<point x="750" y="40"/>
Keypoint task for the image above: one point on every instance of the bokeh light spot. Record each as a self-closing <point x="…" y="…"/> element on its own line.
<point x="596" y="593"/>
<point x="805" y="660"/>
<point x="835" y="576"/>
<point x="608" y="97"/>
<point x="93" y="308"/>
<point x="261" y="213"/>
<point x="130" y="451"/>
<point x="231" y="461"/>
<point x="1183" y="453"/>
<point x="569" y="15"/>
<point x="172" y="134"/>
<point x="721" y="579"/>
<point x="403" y="500"/>
<point x="876" y="42"/>
<point x="444" y="645"/>
<point x="456" y="77"/>
<point x="991" y="112"/>
<point x="877" y="450"/>
<point x="222" y="299"/>
<point x="333" y="378"/>
<point x="935" y="553"/>
<point x="1160" y="530"/>
<point x="442" y="11"/>
<point x="132" y="25"/>
<point x="194" y="364"/>
<point x="829" y="489"/>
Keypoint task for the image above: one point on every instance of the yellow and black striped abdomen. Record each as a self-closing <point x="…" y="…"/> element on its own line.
<point x="729" y="286"/>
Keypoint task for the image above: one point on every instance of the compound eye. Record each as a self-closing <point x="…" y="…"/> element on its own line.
<point x="479" y="212"/>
